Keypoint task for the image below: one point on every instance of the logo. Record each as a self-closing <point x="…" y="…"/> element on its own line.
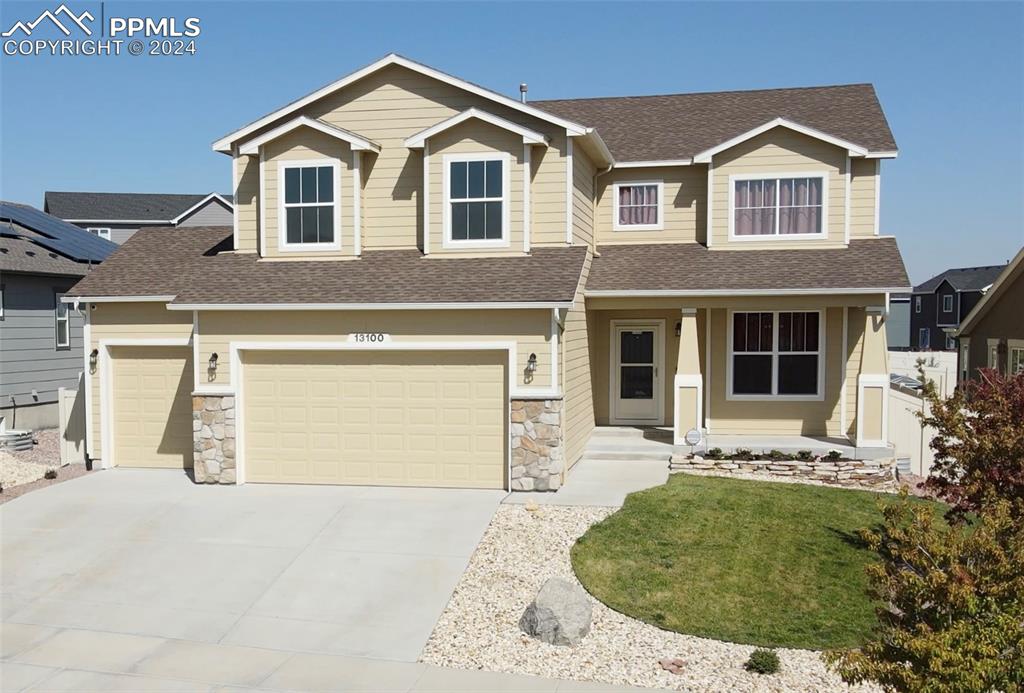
<point x="28" y="28"/>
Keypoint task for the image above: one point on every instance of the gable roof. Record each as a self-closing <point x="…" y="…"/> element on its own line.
<point x="962" y="279"/>
<point x="358" y="143"/>
<point x="673" y="127"/>
<point x="18" y="221"/>
<point x="148" y="208"/>
<point x="529" y="136"/>
<point x="1011" y="272"/>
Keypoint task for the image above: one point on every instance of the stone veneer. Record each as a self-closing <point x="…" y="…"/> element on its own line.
<point x="213" y="437"/>
<point x="867" y="473"/>
<point x="537" y="452"/>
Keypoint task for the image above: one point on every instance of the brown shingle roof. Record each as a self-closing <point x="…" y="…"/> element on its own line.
<point x="868" y="263"/>
<point x="679" y="126"/>
<point x="22" y="255"/>
<point x="191" y="265"/>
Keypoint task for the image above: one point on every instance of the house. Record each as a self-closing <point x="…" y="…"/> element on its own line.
<point x="117" y="216"/>
<point x="897" y="325"/>
<point x="41" y="258"/>
<point x="940" y="304"/>
<point x="992" y="334"/>
<point x="428" y="283"/>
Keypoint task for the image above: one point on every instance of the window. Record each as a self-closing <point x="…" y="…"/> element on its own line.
<point x="101" y="231"/>
<point x="636" y="206"/>
<point x="947" y="304"/>
<point x="1016" y="360"/>
<point x="922" y="338"/>
<point x="2" y="302"/>
<point x="62" y="325"/>
<point x="778" y="207"/>
<point x="950" y="343"/>
<point x="310" y="208"/>
<point x="476" y="200"/>
<point x="917" y="304"/>
<point x="965" y="361"/>
<point x="776" y="355"/>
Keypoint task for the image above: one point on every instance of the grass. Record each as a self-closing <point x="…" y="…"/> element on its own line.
<point x="759" y="563"/>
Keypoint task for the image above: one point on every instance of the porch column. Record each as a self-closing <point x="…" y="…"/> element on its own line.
<point x="873" y="382"/>
<point x="689" y="381"/>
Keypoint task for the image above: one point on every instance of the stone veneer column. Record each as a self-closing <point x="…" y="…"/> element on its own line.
<point x="537" y="451"/>
<point x="213" y="437"/>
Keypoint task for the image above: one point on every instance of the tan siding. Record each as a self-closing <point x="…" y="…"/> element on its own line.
<point x="528" y="328"/>
<point x="780" y="150"/>
<point x="684" y="207"/>
<point x="306" y="144"/>
<point x="862" y="197"/>
<point x="129" y="321"/>
<point x="247" y="188"/>
<point x="583" y="198"/>
<point x="577" y="377"/>
<point x="855" y="345"/>
<point x="547" y="198"/>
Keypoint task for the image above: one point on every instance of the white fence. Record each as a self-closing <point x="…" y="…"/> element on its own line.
<point x="939" y="366"/>
<point x="71" y="410"/>
<point x="907" y="434"/>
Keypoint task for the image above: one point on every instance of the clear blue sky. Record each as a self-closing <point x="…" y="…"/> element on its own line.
<point x="950" y="77"/>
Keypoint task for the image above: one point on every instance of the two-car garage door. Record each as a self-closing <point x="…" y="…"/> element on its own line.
<point x="396" y="418"/>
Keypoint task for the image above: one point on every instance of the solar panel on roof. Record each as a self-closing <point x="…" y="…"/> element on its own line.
<point x="57" y="234"/>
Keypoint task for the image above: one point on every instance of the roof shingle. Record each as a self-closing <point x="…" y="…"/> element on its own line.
<point x="962" y="279"/>
<point x="121" y="206"/>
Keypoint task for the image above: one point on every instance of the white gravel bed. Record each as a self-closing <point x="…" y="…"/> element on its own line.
<point x="891" y="488"/>
<point x="519" y="551"/>
<point x="23" y="467"/>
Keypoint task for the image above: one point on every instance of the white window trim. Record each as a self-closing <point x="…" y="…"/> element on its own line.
<point x="1014" y="345"/>
<point x="940" y="311"/>
<point x="965" y="358"/>
<point x="282" y="232"/>
<point x="926" y="333"/>
<point x="774" y="353"/>
<point x="658" y="225"/>
<point x="917" y="304"/>
<point x="776" y="175"/>
<point x="101" y="231"/>
<point x="58" y="301"/>
<point x="506" y="201"/>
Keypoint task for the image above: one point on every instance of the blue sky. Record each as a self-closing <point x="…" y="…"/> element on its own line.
<point x="950" y="77"/>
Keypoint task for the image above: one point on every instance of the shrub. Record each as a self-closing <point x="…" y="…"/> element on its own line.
<point x="763" y="662"/>
<point x="713" y="454"/>
<point x="833" y="455"/>
<point x="50" y="474"/>
<point x="742" y="454"/>
<point x="779" y="455"/>
<point x="804" y="455"/>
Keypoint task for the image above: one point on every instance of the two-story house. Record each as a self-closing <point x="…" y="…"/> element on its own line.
<point x="117" y="216"/>
<point x="939" y="305"/>
<point x="428" y="283"/>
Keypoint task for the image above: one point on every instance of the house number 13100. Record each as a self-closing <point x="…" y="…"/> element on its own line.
<point x="369" y="337"/>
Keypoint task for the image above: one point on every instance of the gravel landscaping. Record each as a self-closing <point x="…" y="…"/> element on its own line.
<point x="519" y="551"/>
<point x="23" y="471"/>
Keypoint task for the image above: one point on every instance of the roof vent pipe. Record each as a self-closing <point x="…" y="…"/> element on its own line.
<point x="522" y="91"/>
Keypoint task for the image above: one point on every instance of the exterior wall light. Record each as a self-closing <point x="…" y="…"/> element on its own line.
<point x="93" y="355"/>
<point x="531" y="364"/>
<point x="212" y="366"/>
<point x="679" y="329"/>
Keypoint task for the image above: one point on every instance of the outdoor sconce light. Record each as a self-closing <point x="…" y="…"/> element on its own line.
<point x="93" y="355"/>
<point x="531" y="364"/>
<point x="679" y="329"/>
<point x="212" y="366"/>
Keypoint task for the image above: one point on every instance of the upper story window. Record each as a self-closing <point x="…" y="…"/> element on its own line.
<point x="776" y="355"/>
<point x="476" y="200"/>
<point x="310" y="209"/>
<point x="637" y="206"/>
<point x="101" y="231"/>
<point x="917" y="304"/>
<point x="775" y="207"/>
<point x="62" y="323"/>
<point x="923" y="338"/>
<point x="947" y="303"/>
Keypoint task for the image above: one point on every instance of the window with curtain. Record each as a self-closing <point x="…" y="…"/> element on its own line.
<point x="638" y="206"/>
<point x="476" y="200"/>
<point x="778" y="206"/>
<point x="309" y="205"/>
<point x="776" y="354"/>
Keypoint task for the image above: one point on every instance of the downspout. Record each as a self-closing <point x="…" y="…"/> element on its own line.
<point x="593" y="210"/>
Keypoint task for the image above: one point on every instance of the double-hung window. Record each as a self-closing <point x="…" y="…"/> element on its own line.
<point x="310" y="211"/>
<point x="101" y="231"/>
<point x="476" y="200"/>
<point x="637" y="206"/>
<point x="917" y="304"/>
<point x="1016" y="360"/>
<point x="777" y="354"/>
<point x="947" y="303"/>
<point x="777" y="207"/>
<point x="61" y="322"/>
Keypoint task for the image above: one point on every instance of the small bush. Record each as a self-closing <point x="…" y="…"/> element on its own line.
<point x="713" y="454"/>
<point x="763" y="662"/>
<point x="743" y="454"/>
<point x="50" y="474"/>
<point x="804" y="455"/>
<point x="779" y="455"/>
<point x="834" y="456"/>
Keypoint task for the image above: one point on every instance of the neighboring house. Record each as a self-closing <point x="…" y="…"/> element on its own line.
<point x="116" y="216"/>
<point x="992" y="334"/>
<point x="428" y="283"/>
<point x="939" y="305"/>
<point x="897" y="325"/>
<point x="41" y="258"/>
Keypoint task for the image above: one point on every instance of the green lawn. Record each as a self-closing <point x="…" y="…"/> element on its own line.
<point x="761" y="563"/>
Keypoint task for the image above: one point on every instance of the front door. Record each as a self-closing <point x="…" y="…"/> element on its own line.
<point x="636" y="373"/>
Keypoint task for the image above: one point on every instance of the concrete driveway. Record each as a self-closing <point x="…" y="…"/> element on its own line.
<point x="358" y="571"/>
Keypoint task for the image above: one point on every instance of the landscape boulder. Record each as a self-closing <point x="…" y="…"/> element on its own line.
<point x="560" y="614"/>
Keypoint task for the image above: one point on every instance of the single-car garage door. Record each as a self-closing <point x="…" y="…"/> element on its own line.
<point x="152" y="401"/>
<point x="393" y="418"/>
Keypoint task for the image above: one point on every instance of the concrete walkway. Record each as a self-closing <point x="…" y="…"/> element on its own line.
<point x="600" y="482"/>
<point x="140" y="580"/>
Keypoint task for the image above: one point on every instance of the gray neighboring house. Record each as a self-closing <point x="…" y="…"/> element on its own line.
<point x="939" y="305"/>
<point x="116" y="216"/>
<point x="897" y="325"/>
<point x="41" y="258"/>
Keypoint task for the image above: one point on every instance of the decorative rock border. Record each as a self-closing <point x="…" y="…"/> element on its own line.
<point x="213" y="437"/>
<point x="537" y="455"/>
<point x="867" y="473"/>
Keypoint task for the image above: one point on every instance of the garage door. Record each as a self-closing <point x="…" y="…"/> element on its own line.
<point x="152" y="401"/>
<point x="390" y="418"/>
